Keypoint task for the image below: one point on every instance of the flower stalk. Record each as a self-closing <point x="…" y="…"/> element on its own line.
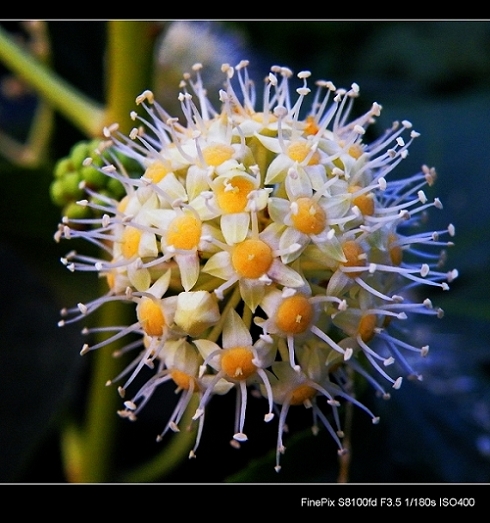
<point x="79" y="109"/>
<point x="98" y="445"/>
<point x="129" y="68"/>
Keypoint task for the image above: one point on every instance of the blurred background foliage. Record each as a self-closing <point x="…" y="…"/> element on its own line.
<point x="433" y="73"/>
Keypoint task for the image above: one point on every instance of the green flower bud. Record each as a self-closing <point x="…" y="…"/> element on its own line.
<point x="115" y="189"/>
<point x="71" y="186"/>
<point x="63" y="166"/>
<point x="57" y="193"/>
<point x="93" y="177"/>
<point x="78" y="153"/>
<point x="75" y="211"/>
<point x="132" y="167"/>
<point x="102" y="193"/>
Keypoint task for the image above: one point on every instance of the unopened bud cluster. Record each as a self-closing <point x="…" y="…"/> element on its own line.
<point x="78" y="175"/>
<point x="266" y="248"/>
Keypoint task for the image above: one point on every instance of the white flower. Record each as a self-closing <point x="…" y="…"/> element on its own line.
<point x="262" y="248"/>
<point x="239" y="361"/>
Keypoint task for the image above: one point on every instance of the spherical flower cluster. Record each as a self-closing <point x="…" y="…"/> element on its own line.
<point x="263" y="250"/>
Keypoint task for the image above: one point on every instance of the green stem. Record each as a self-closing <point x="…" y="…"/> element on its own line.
<point x="88" y="451"/>
<point x="172" y="453"/>
<point x="35" y="149"/>
<point x="129" y="60"/>
<point x="73" y="104"/>
<point x="98" y="435"/>
<point x="129" y="68"/>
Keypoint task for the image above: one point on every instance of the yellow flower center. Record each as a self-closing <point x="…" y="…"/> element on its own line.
<point x="364" y="202"/>
<point x="121" y="206"/>
<point x="298" y="151"/>
<point x="308" y="217"/>
<point x="156" y="172"/>
<point x="259" y="117"/>
<point x="183" y="380"/>
<point x="150" y="316"/>
<point x="311" y="126"/>
<point x="184" y="232"/>
<point x="236" y="363"/>
<point x="215" y="155"/>
<point x="130" y="241"/>
<point x="295" y="314"/>
<point x="110" y="277"/>
<point x="301" y="394"/>
<point x="366" y="327"/>
<point x="355" y="151"/>
<point x="396" y="252"/>
<point x="232" y="195"/>
<point x="355" y="257"/>
<point x="251" y="258"/>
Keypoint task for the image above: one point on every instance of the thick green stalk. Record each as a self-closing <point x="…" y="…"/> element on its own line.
<point x="83" y="112"/>
<point x="99" y="434"/>
<point x="88" y="450"/>
<point x="171" y="455"/>
<point x="128" y="69"/>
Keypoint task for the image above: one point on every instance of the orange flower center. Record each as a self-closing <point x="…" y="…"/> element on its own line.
<point x="295" y="314"/>
<point x="232" y="196"/>
<point x="183" y="380"/>
<point x="216" y="154"/>
<point x="396" y="252"/>
<point x="184" y="232"/>
<point x="308" y="217"/>
<point x="236" y="363"/>
<point x="131" y="241"/>
<point x="364" y="202"/>
<point x="156" y="172"/>
<point x="251" y="258"/>
<point x="366" y="327"/>
<point x="301" y="394"/>
<point x="151" y="317"/>
<point x="298" y="151"/>
<point x="355" y="257"/>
